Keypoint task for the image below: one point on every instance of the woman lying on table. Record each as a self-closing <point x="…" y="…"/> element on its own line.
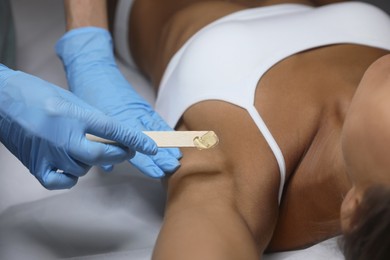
<point x="299" y="97"/>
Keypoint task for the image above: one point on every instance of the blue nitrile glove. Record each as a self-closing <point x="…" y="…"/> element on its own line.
<point x="87" y="55"/>
<point x="44" y="126"/>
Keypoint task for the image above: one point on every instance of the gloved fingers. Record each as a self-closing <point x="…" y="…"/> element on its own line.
<point x="95" y="153"/>
<point x="171" y="152"/>
<point x="131" y="138"/>
<point x="165" y="161"/>
<point x="62" y="160"/>
<point x="146" y="165"/>
<point x="71" y="167"/>
<point x="107" y="167"/>
<point x="153" y="122"/>
<point x="97" y="123"/>
<point x="166" y="158"/>
<point x="53" y="179"/>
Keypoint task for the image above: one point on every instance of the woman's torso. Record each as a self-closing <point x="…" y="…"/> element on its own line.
<point x="302" y="99"/>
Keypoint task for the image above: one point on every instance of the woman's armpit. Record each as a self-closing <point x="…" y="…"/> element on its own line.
<point x="241" y="171"/>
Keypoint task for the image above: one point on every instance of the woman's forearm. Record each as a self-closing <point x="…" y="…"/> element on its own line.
<point x="80" y="13"/>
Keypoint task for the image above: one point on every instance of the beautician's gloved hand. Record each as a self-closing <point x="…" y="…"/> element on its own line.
<point x="44" y="126"/>
<point x="87" y="55"/>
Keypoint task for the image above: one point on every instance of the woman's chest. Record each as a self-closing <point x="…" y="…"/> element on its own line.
<point x="303" y="101"/>
<point x="313" y="108"/>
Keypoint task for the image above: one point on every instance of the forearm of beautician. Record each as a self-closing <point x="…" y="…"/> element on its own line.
<point x="87" y="53"/>
<point x="83" y="13"/>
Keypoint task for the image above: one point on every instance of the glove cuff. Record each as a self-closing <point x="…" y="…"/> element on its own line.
<point x="5" y="74"/>
<point x="84" y="45"/>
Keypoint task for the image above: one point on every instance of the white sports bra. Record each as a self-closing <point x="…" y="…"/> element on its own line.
<point x="226" y="59"/>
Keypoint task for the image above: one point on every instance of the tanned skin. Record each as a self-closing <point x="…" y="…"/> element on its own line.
<point x="223" y="203"/>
